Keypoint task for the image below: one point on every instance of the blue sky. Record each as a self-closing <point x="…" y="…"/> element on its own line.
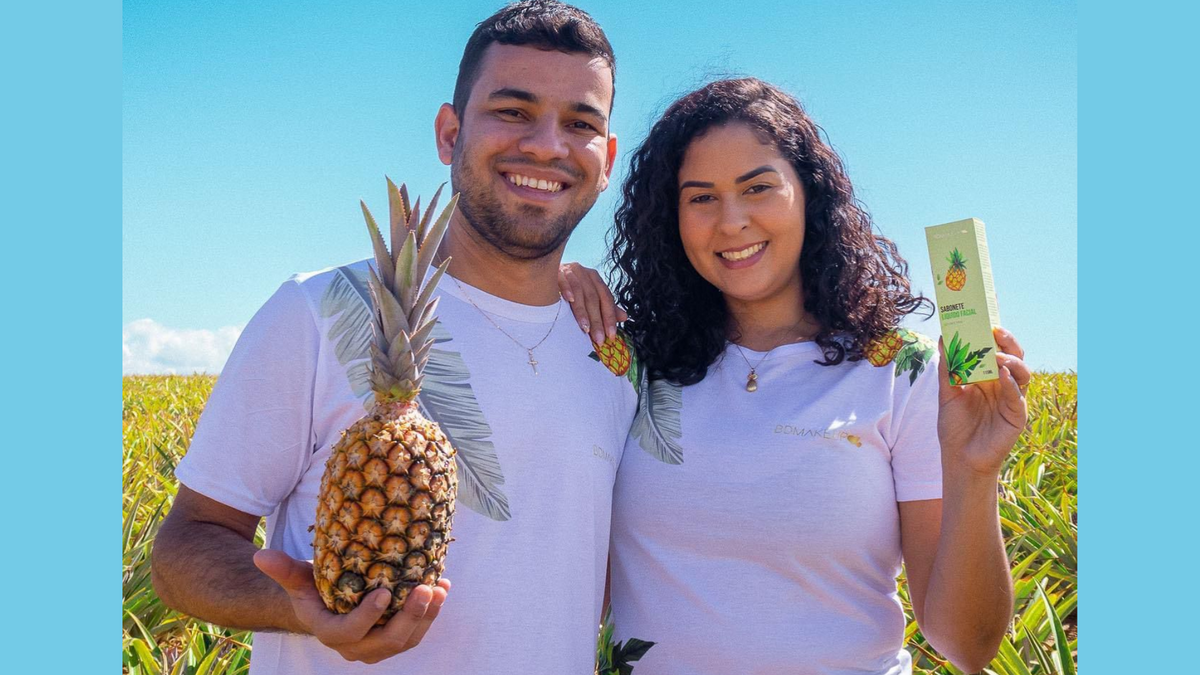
<point x="250" y="131"/>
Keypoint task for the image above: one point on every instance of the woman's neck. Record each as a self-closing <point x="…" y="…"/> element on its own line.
<point x="764" y="324"/>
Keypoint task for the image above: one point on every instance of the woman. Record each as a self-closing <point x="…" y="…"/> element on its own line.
<point x="794" y="445"/>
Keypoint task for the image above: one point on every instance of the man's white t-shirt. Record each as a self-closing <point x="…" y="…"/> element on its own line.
<point x="774" y="546"/>
<point x="537" y="457"/>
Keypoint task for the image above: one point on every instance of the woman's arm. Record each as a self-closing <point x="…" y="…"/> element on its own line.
<point x="958" y="573"/>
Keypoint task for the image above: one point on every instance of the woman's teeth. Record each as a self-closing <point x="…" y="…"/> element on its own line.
<point x="744" y="253"/>
<point x="535" y="183"/>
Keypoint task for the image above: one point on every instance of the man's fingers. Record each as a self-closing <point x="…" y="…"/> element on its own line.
<point x="334" y="629"/>
<point x="400" y="627"/>
<point x="435" y="607"/>
<point x="293" y="575"/>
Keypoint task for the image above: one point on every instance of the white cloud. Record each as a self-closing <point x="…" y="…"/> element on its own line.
<point x="149" y="348"/>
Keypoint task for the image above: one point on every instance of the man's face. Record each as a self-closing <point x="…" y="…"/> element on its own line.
<point x="532" y="150"/>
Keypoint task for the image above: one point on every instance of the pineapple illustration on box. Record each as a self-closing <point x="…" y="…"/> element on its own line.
<point x="387" y="497"/>
<point x="966" y="300"/>
<point x="956" y="276"/>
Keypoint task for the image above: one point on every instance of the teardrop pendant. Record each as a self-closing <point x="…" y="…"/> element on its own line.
<point x="752" y="381"/>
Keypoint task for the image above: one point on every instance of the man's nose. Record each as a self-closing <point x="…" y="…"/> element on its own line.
<point x="545" y="141"/>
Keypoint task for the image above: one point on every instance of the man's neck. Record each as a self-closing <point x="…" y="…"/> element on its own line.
<point x="476" y="262"/>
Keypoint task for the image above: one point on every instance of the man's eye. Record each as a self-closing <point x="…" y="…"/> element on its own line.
<point x="508" y="112"/>
<point x="584" y="126"/>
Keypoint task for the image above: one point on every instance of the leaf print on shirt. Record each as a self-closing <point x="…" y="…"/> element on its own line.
<point x="657" y="424"/>
<point x="909" y="350"/>
<point x="446" y="395"/>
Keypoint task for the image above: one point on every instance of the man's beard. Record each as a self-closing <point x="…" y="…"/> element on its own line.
<point x="529" y="233"/>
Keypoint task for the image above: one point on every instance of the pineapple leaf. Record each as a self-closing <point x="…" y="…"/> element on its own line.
<point x="422" y="302"/>
<point x="433" y="238"/>
<point x="390" y="312"/>
<point x="423" y="227"/>
<point x="398" y="207"/>
<point x="382" y="259"/>
<point x="657" y="425"/>
<point x="406" y="285"/>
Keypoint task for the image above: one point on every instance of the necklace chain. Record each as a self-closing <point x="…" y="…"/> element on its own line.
<point x="533" y="363"/>
<point x="752" y="377"/>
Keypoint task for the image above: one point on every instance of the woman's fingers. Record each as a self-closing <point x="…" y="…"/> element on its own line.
<point x="1007" y="342"/>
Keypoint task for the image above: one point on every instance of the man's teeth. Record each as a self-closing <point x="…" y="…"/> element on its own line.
<point x="535" y="183"/>
<point x="744" y="253"/>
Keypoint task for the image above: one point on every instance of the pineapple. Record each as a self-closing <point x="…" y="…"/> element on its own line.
<point x="961" y="361"/>
<point x="956" y="276"/>
<point x="882" y="351"/>
<point x="387" y="496"/>
<point x="618" y="356"/>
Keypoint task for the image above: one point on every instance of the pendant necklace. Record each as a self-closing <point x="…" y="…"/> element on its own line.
<point x="752" y="377"/>
<point x="533" y="363"/>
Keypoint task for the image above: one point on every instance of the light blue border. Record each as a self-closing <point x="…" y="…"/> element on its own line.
<point x="1138" y="232"/>
<point x="60" y="177"/>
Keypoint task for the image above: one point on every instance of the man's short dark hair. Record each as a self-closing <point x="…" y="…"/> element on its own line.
<point x="544" y="24"/>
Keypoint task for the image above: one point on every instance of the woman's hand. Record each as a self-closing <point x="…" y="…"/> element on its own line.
<point x="592" y="303"/>
<point x="979" y="423"/>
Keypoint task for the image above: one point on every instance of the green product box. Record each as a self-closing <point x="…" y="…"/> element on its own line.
<point x="966" y="299"/>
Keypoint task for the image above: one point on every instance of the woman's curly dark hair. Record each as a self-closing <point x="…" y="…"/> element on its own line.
<point x="855" y="282"/>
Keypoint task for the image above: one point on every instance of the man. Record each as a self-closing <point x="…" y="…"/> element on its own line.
<point x="539" y="427"/>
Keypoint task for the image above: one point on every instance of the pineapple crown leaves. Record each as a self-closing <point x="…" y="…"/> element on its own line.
<point x="404" y="310"/>
<point x="956" y="260"/>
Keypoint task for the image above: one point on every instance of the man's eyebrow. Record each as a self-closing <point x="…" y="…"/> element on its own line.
<point x="510" y="92"/>
<point x="530" y="97"/>
<point x="754" y="172"/>
<point x="587" y="109"/>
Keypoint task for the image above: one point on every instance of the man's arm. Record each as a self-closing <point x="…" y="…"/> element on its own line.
<point x="203" y="565"/>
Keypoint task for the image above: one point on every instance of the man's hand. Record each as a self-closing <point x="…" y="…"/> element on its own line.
<point x="354" y="635"/>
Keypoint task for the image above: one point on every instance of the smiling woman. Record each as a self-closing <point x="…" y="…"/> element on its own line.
<point x="793" y="445"/>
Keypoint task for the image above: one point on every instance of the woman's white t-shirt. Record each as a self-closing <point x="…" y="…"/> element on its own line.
<point x="774" y="545"/>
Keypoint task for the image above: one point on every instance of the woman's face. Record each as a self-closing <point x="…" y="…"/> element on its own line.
<point x="741" y="214"/>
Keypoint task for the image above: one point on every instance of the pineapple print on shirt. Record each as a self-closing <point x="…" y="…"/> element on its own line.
<point x="446" y="395"/>
<point x="656" y="425"/>
<point x="909" y="350"/>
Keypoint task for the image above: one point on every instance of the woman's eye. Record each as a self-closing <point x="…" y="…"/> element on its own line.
<point x="701" y="199"/>
<point x="761" y="187"/>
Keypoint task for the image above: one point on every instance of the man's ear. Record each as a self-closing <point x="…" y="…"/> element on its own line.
<point x="445" y="130"/>
<point x="611" y="158"/>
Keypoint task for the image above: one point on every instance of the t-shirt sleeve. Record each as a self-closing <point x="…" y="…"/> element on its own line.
<point x="254" y="438"/>
<point x="916" y="452"/>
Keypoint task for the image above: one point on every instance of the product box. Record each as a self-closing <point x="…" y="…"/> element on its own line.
<point x="966" y="299"/>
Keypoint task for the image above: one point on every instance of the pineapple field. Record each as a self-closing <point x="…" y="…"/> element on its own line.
<point x="1037" y="509"/>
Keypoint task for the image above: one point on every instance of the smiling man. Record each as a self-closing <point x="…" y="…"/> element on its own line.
<point x="538" y="425"/>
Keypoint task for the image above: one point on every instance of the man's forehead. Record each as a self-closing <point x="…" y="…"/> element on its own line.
<point x="546" y="75"/>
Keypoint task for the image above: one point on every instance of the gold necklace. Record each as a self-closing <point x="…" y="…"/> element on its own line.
<point x="533" y="363"/>
<point x="752" y="378"/>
